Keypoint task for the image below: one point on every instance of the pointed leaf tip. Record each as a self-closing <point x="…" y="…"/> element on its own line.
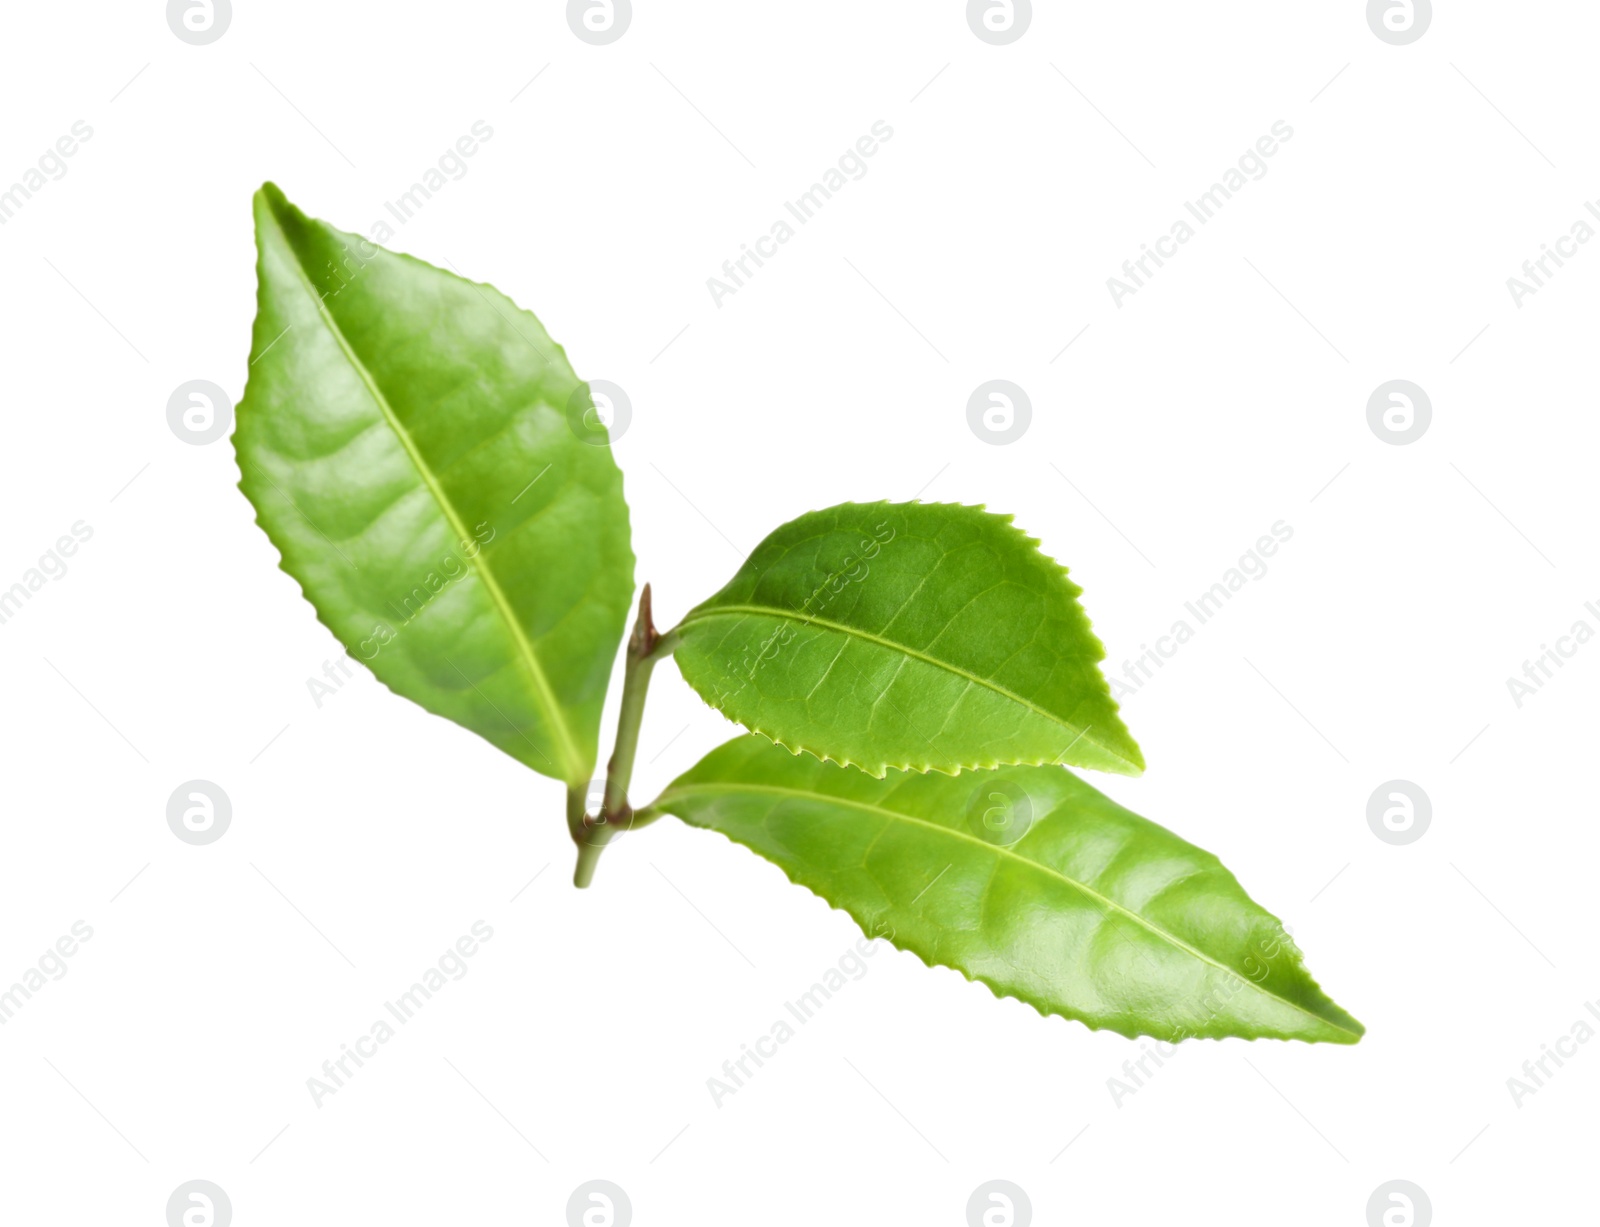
<point x="1028" y="880"/>
<point x="392" y="437"/>
<point x="928" y="636"/>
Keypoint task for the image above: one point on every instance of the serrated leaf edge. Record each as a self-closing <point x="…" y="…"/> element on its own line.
<point x="878" y="771"/>
<point x="1045" y="1011"/>
<point x="268" y="190"/>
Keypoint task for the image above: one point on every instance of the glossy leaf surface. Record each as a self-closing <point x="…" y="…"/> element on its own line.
<point x="908" y="635"/>
<point x="405" y="440"/>
<point x="1026" y="879"/>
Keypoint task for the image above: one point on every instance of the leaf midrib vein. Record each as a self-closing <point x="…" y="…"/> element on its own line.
<point x="869" y="637"/>
<point x="543" y="694"/>
<point x="1001" y="852"/>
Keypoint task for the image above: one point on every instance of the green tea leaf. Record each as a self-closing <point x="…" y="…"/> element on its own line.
<point x="1027" y="879"/>
<point x="405" y="440"/>
<point x="910" y="635"/>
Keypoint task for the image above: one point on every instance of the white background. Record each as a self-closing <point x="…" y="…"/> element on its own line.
<point x="1177" y="428"/>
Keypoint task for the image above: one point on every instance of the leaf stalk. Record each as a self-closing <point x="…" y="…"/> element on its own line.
<point x="592" y="832"/>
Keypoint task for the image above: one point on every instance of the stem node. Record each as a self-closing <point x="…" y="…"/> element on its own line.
<point x="592" y="832"/>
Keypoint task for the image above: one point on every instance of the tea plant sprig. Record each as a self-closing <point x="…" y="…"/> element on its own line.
<point x="917" y="677"/>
